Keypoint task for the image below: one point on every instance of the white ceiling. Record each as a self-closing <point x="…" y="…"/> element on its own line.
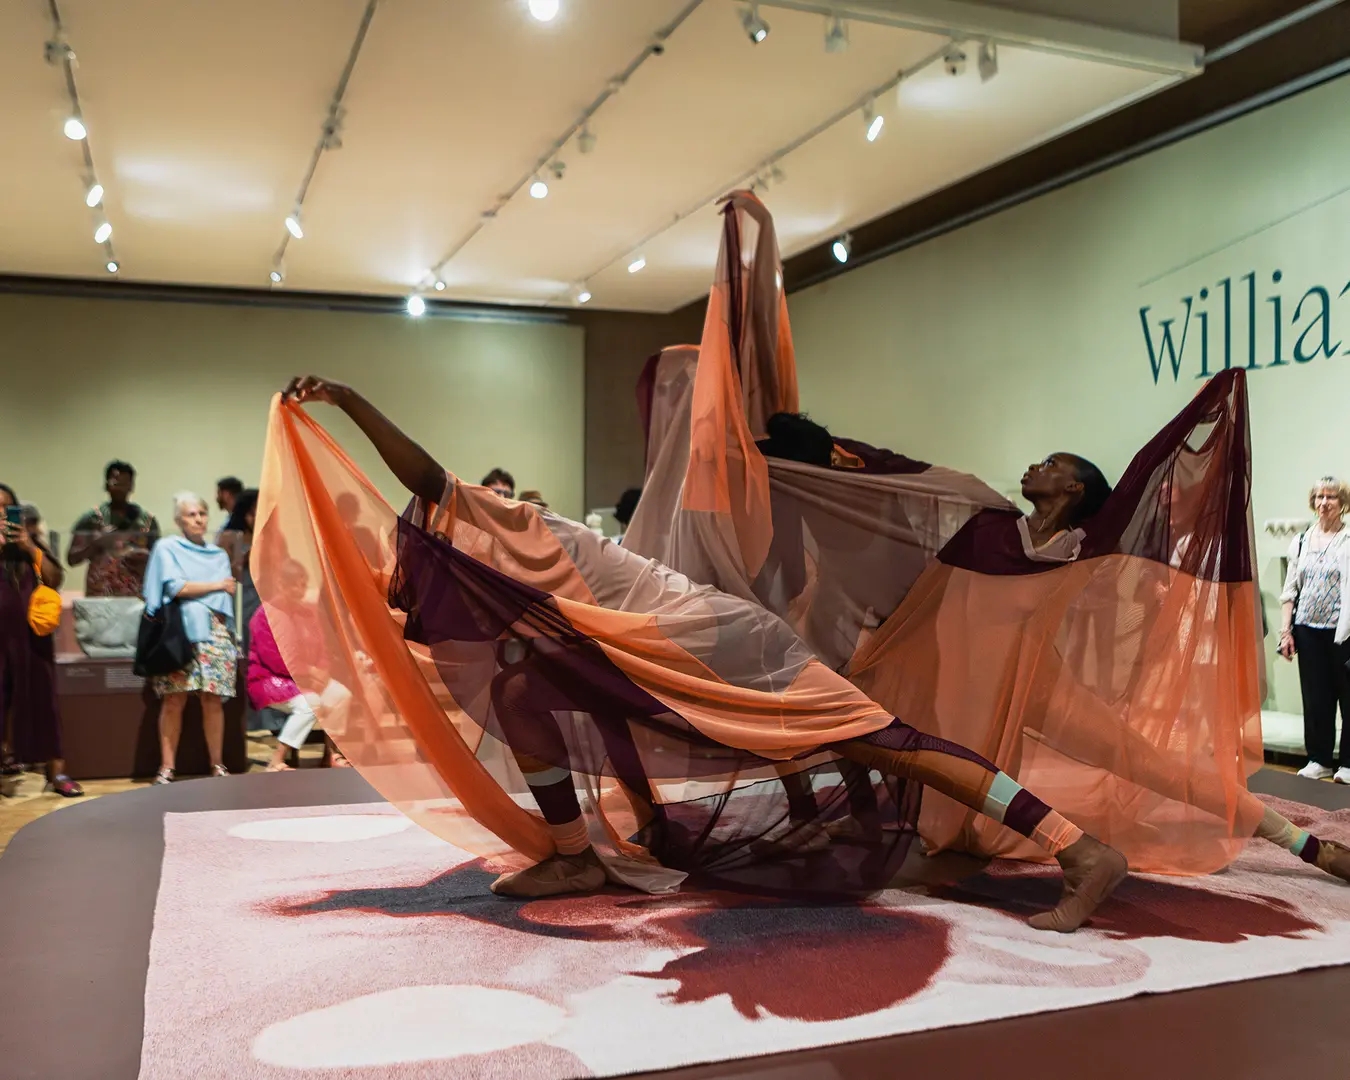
<point x="202" y="118"/>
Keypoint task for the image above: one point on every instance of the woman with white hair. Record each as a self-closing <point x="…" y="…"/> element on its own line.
<point x="1316" y="628"/>
<point x="196" y="574"/>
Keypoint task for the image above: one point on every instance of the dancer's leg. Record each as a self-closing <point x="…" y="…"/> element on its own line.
<point x="1326" y="855"/>
<point x="1091" y="869"/>
<point x="520" y="699"/>
<point x="1094" y="735"/>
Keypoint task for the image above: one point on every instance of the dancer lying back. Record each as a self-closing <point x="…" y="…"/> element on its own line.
<point x="1066" y="492"/>
<point x="602" y="670"/>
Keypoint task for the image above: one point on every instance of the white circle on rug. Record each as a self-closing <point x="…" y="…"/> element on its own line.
<point x="322" y="829"/>
<point x="411" y="1023"/>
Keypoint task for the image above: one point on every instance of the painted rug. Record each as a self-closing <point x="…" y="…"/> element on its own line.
<point x="343" y="941"/>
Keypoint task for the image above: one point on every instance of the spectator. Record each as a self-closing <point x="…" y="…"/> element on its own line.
<point x="534" y="498"/>
<point x="270" y="682"/>
<point x="115" y="539"/>
<point x="1316" y="626"/>
<point x="30" y="719"/>
<point x="236" y="538"/>
<point x="349" y="510"/>
<point x="624" y="511"/>
<point x="188" y="569"/>
<point x="236" y="535"/>
<point x="500" y="482"/>
<point x="228" y="491"/>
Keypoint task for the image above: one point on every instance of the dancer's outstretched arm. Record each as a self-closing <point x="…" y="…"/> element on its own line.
<point x="416" y="470"/>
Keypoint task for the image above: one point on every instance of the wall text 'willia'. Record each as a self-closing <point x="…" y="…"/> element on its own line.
<point x="1199" y="335"/>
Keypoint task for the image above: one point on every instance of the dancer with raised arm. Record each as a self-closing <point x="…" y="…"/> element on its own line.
<point x="672" y="706"/>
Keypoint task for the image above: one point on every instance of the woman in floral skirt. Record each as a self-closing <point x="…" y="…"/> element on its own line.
<point x="197" y="574"/>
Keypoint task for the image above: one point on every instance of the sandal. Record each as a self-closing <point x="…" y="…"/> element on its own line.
<point x="164" y="776"/>
<point x="64" y="786"/>
<point x="278" y="767"/>
<point x="219" y="770"/>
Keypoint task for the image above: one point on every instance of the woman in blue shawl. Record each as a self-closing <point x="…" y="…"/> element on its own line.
<point x="197" y="575"/>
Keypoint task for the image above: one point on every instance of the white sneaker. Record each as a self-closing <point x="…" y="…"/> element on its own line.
<point x="1342" y="775"/>
<point x="1314" y="771"/>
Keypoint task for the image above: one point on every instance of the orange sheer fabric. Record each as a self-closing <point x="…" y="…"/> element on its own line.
<point x="1124" y="688"/>
<point x="746" y="374"/>
<point x="711" y="694"/>
<point x="405" y="734"/>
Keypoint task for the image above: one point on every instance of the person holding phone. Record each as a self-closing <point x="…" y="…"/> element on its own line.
<point x="115" y="538"/>
<point x="30" y="719"/>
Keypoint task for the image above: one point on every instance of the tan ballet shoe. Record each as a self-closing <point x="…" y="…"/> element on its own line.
<point x="1092" y="870"/>
<point x="555" y="876"/>
<point x="1334" y="858"/>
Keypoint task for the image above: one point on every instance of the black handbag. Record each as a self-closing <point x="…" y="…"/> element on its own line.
<point x="162" y="647"/>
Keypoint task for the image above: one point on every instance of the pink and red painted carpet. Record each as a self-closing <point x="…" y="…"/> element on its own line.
<point x="344" y="941"/>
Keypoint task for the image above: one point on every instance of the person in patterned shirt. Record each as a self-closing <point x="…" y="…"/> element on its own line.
<point x="115" y="539"/>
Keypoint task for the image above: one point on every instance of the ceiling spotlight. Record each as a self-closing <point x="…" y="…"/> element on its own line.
<point x="112" y="266"/>
<point x="583" y="295"/>
<point x="293" y="225"/>
<point x="57" y="51"/>
<point x="585" y="139"/>
<point x="836" y="35"/>
<point x="988" y="61"/>
<point x="842" y="248"/>
<point x="439" y="286"/>
<point x="102" y="233"/>
<point x="636" y="265"/>
<point x="278" y="275"/>
<point x="74" y="128"/>
<point x="777" y="175"/>
<point x="755" y="27"/>
<point x="332" y="128"/>
<point x="954" y="60"/>
<point x="557" y="168"/>
<point x="544" y="10"/>
<point x="873" y="120"/>
<point x="539" y="189"/>
<point x="94" y="195"/>
<point x="417" y="307"/>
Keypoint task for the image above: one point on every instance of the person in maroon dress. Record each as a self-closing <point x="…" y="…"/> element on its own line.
<point x="30" y="719"/>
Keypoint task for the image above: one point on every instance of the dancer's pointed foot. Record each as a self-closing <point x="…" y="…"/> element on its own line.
<point x="556" y="875"/>
<point x="1334" y="858"/>
<point x="1091" y="873"/>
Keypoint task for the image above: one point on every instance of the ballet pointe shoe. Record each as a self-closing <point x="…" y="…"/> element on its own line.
<point x="555" y="876"/>
<point x="1334" y="858"/>
<point x="1092" y="870"/>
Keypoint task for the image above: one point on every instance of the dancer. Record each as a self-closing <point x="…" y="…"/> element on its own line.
<point x="1026" y="638"/>
<point x="602" y="664"/>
